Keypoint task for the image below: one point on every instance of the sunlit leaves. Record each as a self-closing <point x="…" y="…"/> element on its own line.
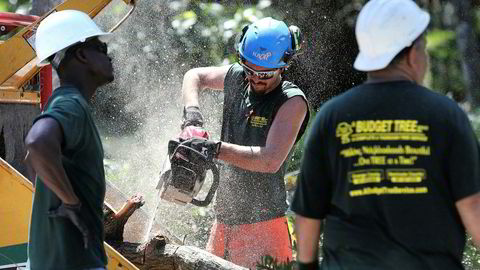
<point x="3" y="6"/>
<point x="437" y="38"/>
<point x="471" y="256"/>
<point x="17" y="6"/>
<point x="213" y="9"/>
<point x="184" y="21"/>
<point x="264" y="4"/>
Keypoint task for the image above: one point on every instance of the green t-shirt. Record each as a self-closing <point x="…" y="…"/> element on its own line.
<point x="383" y="165"/>
<point x="55" y="243"/>
<point x="244" y="196"/>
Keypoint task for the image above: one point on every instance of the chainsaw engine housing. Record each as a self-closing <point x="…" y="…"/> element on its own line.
<point x="184" y="175"/>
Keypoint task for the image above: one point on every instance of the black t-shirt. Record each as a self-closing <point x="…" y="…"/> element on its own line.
<point x="245" y="196"/>
<point x="384" y="165"/>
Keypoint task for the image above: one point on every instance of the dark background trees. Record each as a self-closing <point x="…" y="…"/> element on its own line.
<point x="185" y="34"/>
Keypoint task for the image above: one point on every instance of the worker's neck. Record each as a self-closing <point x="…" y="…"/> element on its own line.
<point x="85" y="86"/>
<point x="390" y="74"/>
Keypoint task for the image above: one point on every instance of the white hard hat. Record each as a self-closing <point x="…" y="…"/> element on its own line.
<point x="62" y="29"/>
<point x="384" y="28"/>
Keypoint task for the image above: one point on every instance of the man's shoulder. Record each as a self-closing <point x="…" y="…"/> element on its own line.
<point x="290" y="89"/>
<point x="439" y="101"/>
<point x="65" y="104"/>
<point x="66" y="91"/>
<point x="419" y="91"/>
<point x="67" y="96"/>
<point x="411" y="94"/>
<point x="235" y="70"/>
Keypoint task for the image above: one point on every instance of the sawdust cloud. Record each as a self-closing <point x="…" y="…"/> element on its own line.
<point x="148" y="85"/>
<point x="143" y="111"/>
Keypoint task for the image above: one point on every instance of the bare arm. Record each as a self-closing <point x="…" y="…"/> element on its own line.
<point x="44" y="156"/>
<point x="308" y="234"/>
<point x="200" y="78"/>
<point x="469" y="210"/>
<point x="280" y="140"/>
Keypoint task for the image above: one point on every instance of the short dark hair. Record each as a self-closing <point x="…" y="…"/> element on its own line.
<point x="68" y="55"/>
<point x="403" y="53"/>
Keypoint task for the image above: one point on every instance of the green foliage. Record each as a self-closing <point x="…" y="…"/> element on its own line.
<point x="477" y="17"/>
<point x="19" y="6"/>
<point x="115" y="171"/>
<point x="3" y="5"/>
<point x="269" y="263"/>
<point x="14" y="6"/>
<point x="438" y="38"/>
<point x="291" y="228"/>
<point x="471" y="255"/>
<point x="446" y="70"/>
<point x="296" y="157"/>
<point x="475" y="121"/>
<point x="207" y="30"/>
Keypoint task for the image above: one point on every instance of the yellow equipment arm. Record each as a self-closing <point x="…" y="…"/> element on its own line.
<point x="18" y="51"/>
<point x="16" y="192"/>
<point x="16" y="195"/>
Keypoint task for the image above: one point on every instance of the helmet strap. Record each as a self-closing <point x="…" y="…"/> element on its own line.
<point x="57" y="59"/>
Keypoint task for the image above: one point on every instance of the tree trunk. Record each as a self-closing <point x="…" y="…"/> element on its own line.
<point x="158" y="253"/>
<point x="15" y="122"/>
<point x="469" y="49"/>
<point x="325" y="67"/>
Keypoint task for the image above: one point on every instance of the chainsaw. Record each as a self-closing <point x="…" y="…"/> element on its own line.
<point x="184" y="173"/>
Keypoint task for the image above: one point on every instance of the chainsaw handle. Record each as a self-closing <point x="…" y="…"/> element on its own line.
<point x="213" y="188"/>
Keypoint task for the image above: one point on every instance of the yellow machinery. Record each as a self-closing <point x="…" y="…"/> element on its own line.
<point x="17" y="72"/>
<point x="16" y="197"/>
<point x="17" y="54"/>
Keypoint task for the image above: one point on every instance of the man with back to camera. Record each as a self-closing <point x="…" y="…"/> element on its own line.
<point x="64" y="148"/>
<point x="390" y="167"/>
<point x="263" y="117"/>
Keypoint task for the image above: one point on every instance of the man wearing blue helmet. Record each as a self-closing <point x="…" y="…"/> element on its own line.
<point x="263" y="117"/>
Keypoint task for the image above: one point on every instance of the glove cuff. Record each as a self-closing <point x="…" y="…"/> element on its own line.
<point x="73" y="206"/>
<point x="308" y="266"/>
<point x="218" y="145"/>
<point x="192" y="117"/>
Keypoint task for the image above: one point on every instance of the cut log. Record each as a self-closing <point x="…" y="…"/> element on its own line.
<point x="159" y="253"/>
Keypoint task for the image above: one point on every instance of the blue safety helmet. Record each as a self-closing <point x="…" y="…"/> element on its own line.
<point x="266" y="43"/>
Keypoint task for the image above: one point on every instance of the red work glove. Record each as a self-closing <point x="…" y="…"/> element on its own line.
<point x="193" y="132"/>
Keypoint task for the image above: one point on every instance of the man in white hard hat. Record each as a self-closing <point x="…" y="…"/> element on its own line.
<point x="391" y="170"/>
<point x="64" y="148"/>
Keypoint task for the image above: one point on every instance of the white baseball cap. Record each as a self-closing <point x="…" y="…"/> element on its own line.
<point x="384" y="28"/>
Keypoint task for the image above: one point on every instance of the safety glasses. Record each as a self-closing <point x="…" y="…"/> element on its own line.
<point x="92" y="43"/>
<point x="98" y="46"/>
<point x="262" y="75"/>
